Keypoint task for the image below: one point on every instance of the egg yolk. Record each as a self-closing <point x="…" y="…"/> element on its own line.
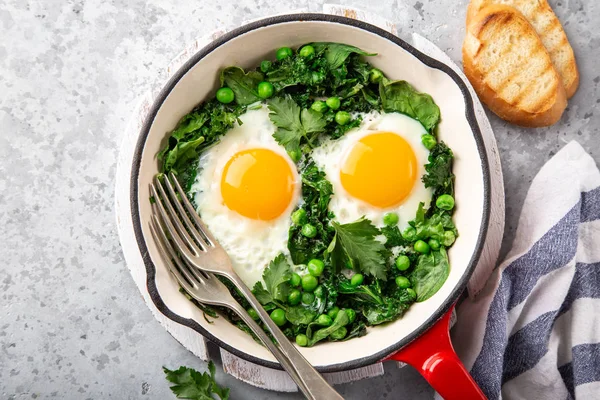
<point x="380" y="169"/>
<point x="258" y="184"/>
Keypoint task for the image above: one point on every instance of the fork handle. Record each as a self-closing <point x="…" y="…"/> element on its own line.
<point x="316" y="386"/>
<point x="282" y="358"/>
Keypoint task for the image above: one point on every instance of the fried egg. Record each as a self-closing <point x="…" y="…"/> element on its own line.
<point x="246" y="189"/>
<point x="376" y="168"/>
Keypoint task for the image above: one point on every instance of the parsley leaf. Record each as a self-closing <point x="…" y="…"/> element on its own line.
<point x="191" y="384"/>
<point x="294" y="124"/>
<point x="276" y="277"/>
<point x="354" y="246"/>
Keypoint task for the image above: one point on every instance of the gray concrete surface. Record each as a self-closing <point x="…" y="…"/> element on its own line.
<point x="72" y="323"/>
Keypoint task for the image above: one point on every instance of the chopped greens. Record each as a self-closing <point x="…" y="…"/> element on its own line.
<point x="366" y="275"/>
<point x="191" y="384"/>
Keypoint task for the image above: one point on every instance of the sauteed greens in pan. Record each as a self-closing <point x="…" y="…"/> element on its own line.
<point x="334" y="276"/>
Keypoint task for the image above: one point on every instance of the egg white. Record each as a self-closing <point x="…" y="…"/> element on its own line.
<point x="251" y="244"/>
<point x="330" y="154"/>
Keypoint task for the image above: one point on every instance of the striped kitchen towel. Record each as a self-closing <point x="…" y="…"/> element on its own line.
<point x="534" y="330"/>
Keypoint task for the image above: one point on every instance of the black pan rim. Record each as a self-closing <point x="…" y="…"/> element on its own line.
<point x="280" y="19"/>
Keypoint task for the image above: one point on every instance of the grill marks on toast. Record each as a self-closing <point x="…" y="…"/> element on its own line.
<point x="512" y="61"/>
<point x="510" y="68"/>
<point x="549" y="29"/>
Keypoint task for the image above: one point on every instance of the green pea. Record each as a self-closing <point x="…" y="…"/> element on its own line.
<point x="309" y="283"/>
<point x="391" y="219"/>
<point x="411" y="292"/>
<point x="375" y="75"/>
<point x="307" y="298"/>
<point x="316" y="267"/>
<point x="265" y="65"/>
<point x="295" y="155"/>
<point x="342" y="117"/>
<point x="402" y="263"/>
<point x="445" y="202"/>
<point x="278" y="316"/>
<point x="301" y="340"/>
<point x="434" y="244"/>
<point x="295" y="280"/>
<point x="409" y="233"/>
<point x="402" y="282"/>
<point x="265" y="90"/>
<point x="283" y="52"/>
<point x="357" y="279"/>
<point x="294" y="297"/>
<point x="339" y="333"/>
<point x="319" y="106"/>
<point x="324" y="320"/>
<point x="225" y="95"/>
<point x="351" y="315"/>
<point x="307" y="51"/>
<point x="333" y="312"/>
<point x="309" y="230"/>
<point x="449" y="238"/>
<point x="299" y="217"/>
<point x="333" y="102"/>
<point x="421" y="247"/>
<point x="428" y="141"/>
<point x="253" y="314"/>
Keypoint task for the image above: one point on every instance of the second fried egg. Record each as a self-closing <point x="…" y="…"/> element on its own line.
<point x="376" y="168"/>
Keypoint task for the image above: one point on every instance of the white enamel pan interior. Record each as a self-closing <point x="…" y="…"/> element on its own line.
<point x="246" y="47"/>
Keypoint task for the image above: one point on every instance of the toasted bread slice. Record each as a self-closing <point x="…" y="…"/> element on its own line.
<point x="511" y="70"/>
<point x="548" y="27"/>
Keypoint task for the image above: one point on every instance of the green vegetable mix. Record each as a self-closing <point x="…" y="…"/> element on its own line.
<point x="338" y="278"/>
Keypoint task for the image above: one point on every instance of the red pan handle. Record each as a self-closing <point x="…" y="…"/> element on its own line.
<point x="433" y="356"/>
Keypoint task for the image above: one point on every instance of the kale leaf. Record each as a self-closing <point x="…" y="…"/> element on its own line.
<point x="191" y="384"/>
<point x="439" y="174"/>
<point x="244" y="85"/>
<point x="354" y="246"/>
<point x="400" y="96"/>
<point x="316" y="193"/>
<point x="299" y="315"/>
<point x="431" y="272"/>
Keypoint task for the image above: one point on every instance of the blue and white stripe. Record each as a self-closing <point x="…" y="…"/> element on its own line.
<point x="534" y="330"/>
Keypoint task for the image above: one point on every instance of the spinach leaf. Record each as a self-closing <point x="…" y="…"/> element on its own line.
<point x="400" y="96"/>
<point x="354" y="246"/>
<point x="294" y="124"/>
<point x="299" y="315"/>
<point x="244" y="85"/>
<point x="183" y="152"/>
<point x="191" y="384"/>
<point x="340" y="320"/>
<point x="337" y="53"/>
<point x="429" y="275"/>
<point x="439" y="174"/>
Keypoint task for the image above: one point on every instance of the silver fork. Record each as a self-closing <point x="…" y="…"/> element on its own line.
<point x="207" y="289"/>
<point x="201" y="250"/>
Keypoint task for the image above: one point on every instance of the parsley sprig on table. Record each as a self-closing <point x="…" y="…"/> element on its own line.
<point x="191" y="384"/>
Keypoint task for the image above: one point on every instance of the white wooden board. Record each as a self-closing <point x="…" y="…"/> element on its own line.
<point x="253" y="374"/>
